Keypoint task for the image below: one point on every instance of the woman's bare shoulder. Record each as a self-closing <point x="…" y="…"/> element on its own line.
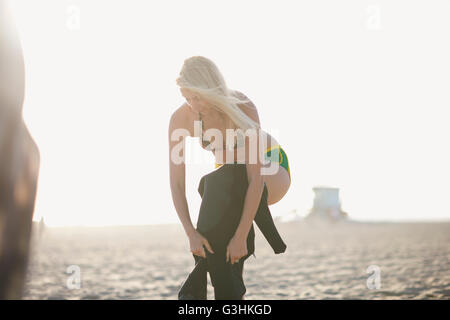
<point x="183" y="117"/>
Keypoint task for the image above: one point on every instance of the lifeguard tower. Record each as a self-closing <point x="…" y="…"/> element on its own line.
<point x="327" y="205"/>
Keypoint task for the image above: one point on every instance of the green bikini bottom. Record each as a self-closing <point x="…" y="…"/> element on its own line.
<point x="271" y="155"/>
<point x="282" y="159"/>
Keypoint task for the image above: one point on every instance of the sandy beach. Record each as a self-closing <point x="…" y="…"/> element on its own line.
<point x="411" y="260"/>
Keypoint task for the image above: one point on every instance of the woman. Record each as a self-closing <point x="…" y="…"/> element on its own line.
<point x="233" y="195"/>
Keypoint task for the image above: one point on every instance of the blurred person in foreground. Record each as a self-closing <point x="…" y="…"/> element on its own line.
<point x="19" y="164"/>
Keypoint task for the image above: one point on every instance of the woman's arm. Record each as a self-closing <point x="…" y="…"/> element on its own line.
<point x="253" y="195"/>
<point x="237" y="246"/>
<point x="177" y="170"/>
<point x="255" y="180"/>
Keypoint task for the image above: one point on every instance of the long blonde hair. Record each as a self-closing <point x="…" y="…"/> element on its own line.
<point x="201" y="75"/>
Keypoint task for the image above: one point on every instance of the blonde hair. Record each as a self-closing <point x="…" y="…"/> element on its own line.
<point x="201" y="75"/>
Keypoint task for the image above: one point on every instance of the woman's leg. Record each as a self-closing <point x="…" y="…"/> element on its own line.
<point x="195" y="285"/>
<point x="223" y="195"/>
<point x="241" y="268"/>
<point x="226" y="278"/>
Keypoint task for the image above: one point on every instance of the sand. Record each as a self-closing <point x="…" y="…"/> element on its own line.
<point x="321" y="262"/>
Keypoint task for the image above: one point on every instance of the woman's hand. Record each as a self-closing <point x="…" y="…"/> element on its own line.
<point x="197" y="241"/>
<point x="236" y="249"/>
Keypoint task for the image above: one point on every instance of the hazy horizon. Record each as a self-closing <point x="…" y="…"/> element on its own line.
<point x="418" y="221"/>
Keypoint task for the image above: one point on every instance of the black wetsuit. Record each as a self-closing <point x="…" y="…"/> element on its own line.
<point x="223" y="195"/>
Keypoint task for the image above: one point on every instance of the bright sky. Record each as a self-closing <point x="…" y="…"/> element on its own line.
<point x="356" y="91"/>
